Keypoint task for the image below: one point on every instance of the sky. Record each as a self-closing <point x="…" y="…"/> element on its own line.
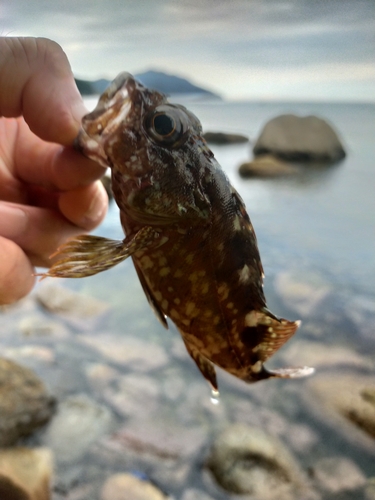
<point x="241" y="49"/>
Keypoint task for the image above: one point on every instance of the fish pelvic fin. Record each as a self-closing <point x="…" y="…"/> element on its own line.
<point x="87" y="255"/>
<point x="205" y="366"/>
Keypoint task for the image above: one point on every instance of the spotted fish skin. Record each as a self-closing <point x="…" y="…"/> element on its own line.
<point x="187" y="231"/>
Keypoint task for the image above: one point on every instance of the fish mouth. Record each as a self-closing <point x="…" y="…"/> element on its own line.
<point x="112" y="109"/>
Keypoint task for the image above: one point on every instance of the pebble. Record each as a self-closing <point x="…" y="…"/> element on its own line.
<point x="128" y="487"/>
<point x="25" y="474"/>
<point x="25" y="403"/>
<point x="79" y="422"/>
<point x="337" y="474"/>
<point x="247" y="460"/>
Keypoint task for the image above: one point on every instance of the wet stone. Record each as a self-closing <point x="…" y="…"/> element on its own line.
<point x="246" y="460"/>
<point x="25" y="474"/>
<point x="25" y="403"/>
<point x="337" y="474"/>
<point x="79" y="422"/>
<point x="126" y="486"/>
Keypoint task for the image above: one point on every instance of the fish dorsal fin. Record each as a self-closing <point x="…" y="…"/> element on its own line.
<point x="265" y="333"/>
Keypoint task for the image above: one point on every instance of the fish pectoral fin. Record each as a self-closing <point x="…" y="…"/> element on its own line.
<point x="87" y="255"/>
<point x="205" y="366"/>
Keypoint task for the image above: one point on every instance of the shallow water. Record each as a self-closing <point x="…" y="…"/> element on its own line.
<point x="316" y="236"/>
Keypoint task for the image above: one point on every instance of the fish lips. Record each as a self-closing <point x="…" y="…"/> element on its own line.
<point x="112" y="109"/>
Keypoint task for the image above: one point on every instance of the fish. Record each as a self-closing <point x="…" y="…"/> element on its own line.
<point x="186" y="229"/>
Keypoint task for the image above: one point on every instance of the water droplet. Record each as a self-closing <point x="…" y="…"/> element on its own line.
<point x="215" y="397"/>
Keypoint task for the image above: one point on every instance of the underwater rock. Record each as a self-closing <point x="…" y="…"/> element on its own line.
<point x="194" y="494"/>
<point x="266" y="166"/>
<point x="25" y="403"/>
<point x="224" y="138"/>
<point x="350" y="395"/>
<point x="126" y="486"/>
<point x="60" y="300"/>
<point x="25" y="474"/>
<point x="337" y="474"/>
<point x="369" y="493"/>
<point x="300" y="139"/>
<point x="37" y="325"/>
<point x="246" y="460"/>
<point x="79" y="422"/>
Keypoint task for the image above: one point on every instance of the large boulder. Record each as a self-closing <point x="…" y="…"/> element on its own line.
<point x="296" y="138"/>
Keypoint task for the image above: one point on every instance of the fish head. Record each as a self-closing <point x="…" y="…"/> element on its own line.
<point x="154" y="148"/>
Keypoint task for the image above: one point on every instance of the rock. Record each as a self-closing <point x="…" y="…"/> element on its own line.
<point x="302" y="294"/>
<point x="246" y="460"/>
<point x="126" y="486"/>
<point x="194" y="494"/>
<point x="37" y="325"/>
<point x="25" y="403"/>
<point x="60" y="300"/>
<point x="295" y="138"/>
<point x="337" y="474"/>
<point x="370" y="489"/>
<point x="79" y="422"/>
<point x="222" y="138"/>
<point x="25" y="474"/>
<point x="133" y="353"/>
<point x="266" y="166"/>
<point x="350" y="395"/>
<point x="318" y="354"/>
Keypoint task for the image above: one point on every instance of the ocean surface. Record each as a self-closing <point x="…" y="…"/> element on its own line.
<point x="317" y="242"/>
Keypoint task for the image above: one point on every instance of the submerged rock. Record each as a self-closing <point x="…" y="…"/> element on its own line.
<point x="25" y="403"/>
<point x="246" y="460"/>
<point x="266" y="166"/>
<point x="222" y="138"/>
<point x="301" y="139"/>
<point x="79" y="422"/>
<point x="337" y="474"/>
<point x="350" y="395"/>
<point x="126" y="486"/>
<point x="60" y="300"/>
<point x="25" y="474"/>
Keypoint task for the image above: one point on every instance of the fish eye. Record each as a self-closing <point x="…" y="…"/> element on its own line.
<point x="167" y="125"/>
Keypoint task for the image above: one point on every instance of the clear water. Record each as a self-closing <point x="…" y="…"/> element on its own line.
<point x="318" y="226"/>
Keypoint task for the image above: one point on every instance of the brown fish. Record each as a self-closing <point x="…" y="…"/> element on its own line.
<point x="187" y="231"/>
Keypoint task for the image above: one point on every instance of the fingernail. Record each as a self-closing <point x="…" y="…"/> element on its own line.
<point x="98" y="205"/>
<point x="13" y="220"/>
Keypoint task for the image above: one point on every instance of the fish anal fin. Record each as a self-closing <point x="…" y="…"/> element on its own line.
<point x="205" y="366"/>
<point x="87" y="255"/>
<point x="264" y="334"/>
<point x="150" y="297"/>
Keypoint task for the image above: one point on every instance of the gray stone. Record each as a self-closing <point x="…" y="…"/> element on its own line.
<point x="194" y="494"/>
<point x="337" y="474"/>
<point x="25" y="404"/>
<point x="126" y="486"/>
<point x="266" y="166"/>
<point x="224" y="138"/>
<point x="25" y="474"/>
<point x="296" y="138"/>
<point x="61" y="300"/>
<point x="369" y="493"/>
<point x="350" y="395"/>
<point x="79" y="422"/>
<point x="246" y="460"/>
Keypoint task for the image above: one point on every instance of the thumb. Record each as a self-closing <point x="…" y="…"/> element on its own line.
<point x="36" y="81"/>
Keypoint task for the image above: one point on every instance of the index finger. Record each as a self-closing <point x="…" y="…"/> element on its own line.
<point x="36" y="81"/>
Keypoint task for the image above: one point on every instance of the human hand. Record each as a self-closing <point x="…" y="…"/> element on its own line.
<point x="48" y="191"/>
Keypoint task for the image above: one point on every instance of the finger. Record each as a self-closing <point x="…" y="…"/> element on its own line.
<point x="85" y="207"/>
<point x="37" y="231"/>
<point x="16" y="272"/>
<point x="37" y="82"/>
<point x="50" y="165"/>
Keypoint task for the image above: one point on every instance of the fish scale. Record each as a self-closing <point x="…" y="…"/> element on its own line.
<point x="187" y="231"/>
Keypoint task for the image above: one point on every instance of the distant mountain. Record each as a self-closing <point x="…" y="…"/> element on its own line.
<point x="157" y="80"/>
